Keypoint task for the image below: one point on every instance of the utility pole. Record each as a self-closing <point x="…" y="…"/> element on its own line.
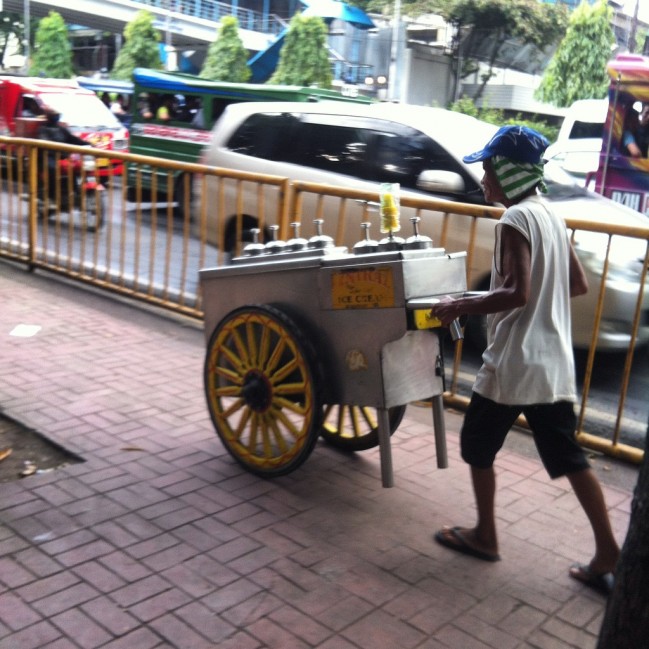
<point x="171" y="63"/>
<point x="26" y="34"/>
<point x="394" y="93"/>
<point x="634" y="28"/>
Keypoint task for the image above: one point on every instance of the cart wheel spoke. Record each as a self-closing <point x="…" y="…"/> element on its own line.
<point x="242" y="358"/>
<point x="263" y="390"/>
<point x="355" y="428"/>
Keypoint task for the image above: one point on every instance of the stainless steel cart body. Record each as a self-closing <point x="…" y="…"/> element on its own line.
<point x="366" y="315"/>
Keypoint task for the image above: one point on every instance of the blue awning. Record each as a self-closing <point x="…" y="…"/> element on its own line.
<point x="106" y="85"/>
<point x="263" y="64"/>
<point x="178" y="82"/>
<point x="330" y="10"/>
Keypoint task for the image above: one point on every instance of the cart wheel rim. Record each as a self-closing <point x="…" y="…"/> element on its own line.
<point x="261" y="391"/>
<point x="355" y="428"/>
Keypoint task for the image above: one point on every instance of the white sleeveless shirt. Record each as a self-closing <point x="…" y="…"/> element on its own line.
<point x="529" y="357"/>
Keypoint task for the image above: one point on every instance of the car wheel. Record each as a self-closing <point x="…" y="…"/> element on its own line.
<point x="235" y="233"/>
<point x="183" y="197"/>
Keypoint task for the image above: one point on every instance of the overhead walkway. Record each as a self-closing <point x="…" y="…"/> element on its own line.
<point x="264" y="62"/>
<point x="190" y="23"/>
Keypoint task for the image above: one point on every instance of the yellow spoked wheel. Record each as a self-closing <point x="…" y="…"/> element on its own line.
<point x="262" y="390"/>
<point x="355" y="428"/>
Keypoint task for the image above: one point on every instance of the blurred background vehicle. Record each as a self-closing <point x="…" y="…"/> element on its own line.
<point x="579" y="142"/>
<point x="623" y="173"/>
<point x="117" y="95"/>
<point x="24" y="101"/>
<point x="172" y="115"/>
<point x="421" y="149"/>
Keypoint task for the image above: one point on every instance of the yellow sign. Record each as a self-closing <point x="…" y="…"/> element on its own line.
<point x="424" y="320"/>
<point x="367" y="288"/>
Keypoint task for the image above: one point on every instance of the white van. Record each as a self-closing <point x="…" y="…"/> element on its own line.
<point x="579" y="141"/>
<point x="421" y="148"/>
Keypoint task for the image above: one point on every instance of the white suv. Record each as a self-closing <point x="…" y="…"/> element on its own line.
<point x="579" y="142"/>
<point x="360" y="146"/>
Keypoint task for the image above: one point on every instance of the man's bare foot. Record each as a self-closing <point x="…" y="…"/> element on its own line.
<point x="604" y="562"/>
<point x="602" y="582"/>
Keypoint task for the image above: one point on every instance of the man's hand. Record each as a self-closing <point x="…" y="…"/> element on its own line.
<point x="446" y="310"/>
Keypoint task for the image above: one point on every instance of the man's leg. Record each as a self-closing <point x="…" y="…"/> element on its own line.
<point x="484" y="489"/>
<point x="482" y="436"/>
<point x="589" y="493"/>
<point x="553" y="426"/>
<point x="481" y="540"/>
<point x="485" y="427"/>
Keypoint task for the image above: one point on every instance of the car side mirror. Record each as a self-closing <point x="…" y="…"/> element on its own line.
<point x="440" y="181"/>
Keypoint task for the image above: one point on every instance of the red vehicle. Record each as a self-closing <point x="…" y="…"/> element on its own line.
<point x="23" y="101"/>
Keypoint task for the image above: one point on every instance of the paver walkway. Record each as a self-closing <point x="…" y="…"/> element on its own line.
<point x="159" y="539"/>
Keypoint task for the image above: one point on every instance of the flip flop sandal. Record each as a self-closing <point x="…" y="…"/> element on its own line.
<point x="602" y="583"/>
<point x="453" y="539"/>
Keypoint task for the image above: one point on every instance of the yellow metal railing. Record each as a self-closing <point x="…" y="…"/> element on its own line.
<point x="438" y="221"/>
<point x="172" y="219"/>
<point x="148" y="246"/>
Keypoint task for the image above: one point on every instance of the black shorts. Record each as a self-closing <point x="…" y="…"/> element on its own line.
<point x="487" y="423"/>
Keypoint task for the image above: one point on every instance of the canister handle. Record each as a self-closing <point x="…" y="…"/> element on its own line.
<point x="454" y="327"/>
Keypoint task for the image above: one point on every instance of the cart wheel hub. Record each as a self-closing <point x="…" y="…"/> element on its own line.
<point x="257" y="391"/>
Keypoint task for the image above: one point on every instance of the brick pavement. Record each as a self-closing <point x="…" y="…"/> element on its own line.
<point x="158" y="539"/>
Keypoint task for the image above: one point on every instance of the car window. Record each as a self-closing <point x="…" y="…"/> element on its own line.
<point x="340" y="149"/>
<point x="582" y="130"/>
<point x="263" y="135"/>
<point x="30" y="107"/>
<point x="401" y="154"/>
<point x="376" y="150"/>
<point x="397" y="158"/>
<point x="82" y="110"/>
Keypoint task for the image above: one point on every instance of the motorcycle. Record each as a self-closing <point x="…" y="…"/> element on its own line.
<point x="78" y="192"/>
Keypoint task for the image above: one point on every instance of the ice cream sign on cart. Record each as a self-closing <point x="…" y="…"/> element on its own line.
<point x="371" y="287"/>
<point x="363" y="288"/>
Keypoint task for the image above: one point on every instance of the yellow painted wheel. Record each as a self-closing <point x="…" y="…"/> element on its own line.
<point x="262" y="390"/>
<point x="355" y="428"/>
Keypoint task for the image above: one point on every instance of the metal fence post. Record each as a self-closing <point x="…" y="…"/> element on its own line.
<point x="32" y="205"/>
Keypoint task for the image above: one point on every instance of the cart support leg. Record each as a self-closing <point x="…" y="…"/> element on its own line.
<point x="385" y="449"/>
<point x="439" y="427"/>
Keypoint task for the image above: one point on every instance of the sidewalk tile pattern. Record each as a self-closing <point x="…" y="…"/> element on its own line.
<point x="159" y="539"/>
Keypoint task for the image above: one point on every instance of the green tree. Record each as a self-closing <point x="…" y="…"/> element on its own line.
<point x="641" y="39"/>
<point x="578" y="68"/>
<point x="140" y="48"/>
<point x="484" y="27"/>
<point x="494" y="116"/>
<point x="227" y="58"/>
<point x="304" y="59"/>
<point x="52" y="50"/>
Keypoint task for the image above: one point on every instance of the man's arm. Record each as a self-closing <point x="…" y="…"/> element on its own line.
<point x="578" y="281"/>
<point x="515" y="264"/>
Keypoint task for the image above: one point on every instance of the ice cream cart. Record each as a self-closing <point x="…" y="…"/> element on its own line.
<point x="312" y="340"/>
